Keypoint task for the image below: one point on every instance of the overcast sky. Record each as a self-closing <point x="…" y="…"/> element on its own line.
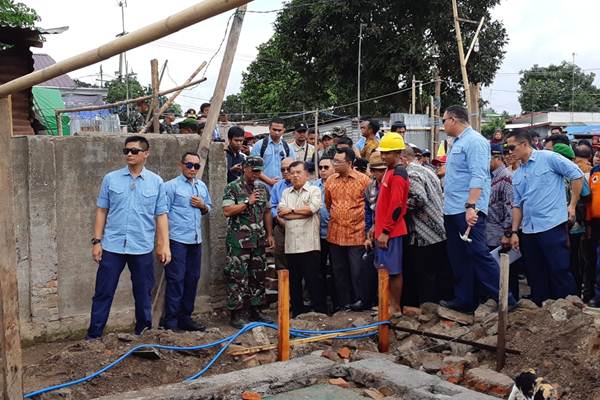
<point x="540" y="32"/>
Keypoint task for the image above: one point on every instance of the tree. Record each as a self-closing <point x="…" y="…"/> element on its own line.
<point x="311" y="60"/>
<point x="554" y="87"/>
<point x="17" y="14"/>
<point x="489" y="127"/>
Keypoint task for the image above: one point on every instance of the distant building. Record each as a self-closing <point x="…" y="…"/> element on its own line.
<point x="543" y="122"/>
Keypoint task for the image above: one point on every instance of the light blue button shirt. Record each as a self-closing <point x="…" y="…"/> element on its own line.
<point x="274" y="153"/>
<point x="323" y="212"/>
<point x="185" y="221"/>
<point x="467" y="167"/>
<point x="276" y="192"/>
<point x="539" y="190"/>
<point x="133" y="204"/>
<point x="361" y="143"/>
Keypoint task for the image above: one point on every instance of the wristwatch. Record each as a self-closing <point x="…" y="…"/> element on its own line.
<point x="507" y="234"/>
<point x="514" y="233"/>
<point x="247" y="202"/>
<point x="469" y="205"/>
<point x="95" y="241"/>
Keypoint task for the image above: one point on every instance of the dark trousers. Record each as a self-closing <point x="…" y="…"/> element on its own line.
<point x="348" y="272"/>
<point x="427" y="274"/>
<point x="182" y="275"/>
<point x="589" y="267"/>
<point x="107" y="278"/>
<point x="576" y="260"/>
<point x="306" y="266"/>
<point x="472" y="265"/>
<point x="327" y="272"/>
<point x="547" y="262"/>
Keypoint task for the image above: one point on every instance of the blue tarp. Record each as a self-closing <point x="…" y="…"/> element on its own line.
<point x="591" y="130"/>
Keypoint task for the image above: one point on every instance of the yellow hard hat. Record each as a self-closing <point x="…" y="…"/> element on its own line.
<point x="391" y="141"/>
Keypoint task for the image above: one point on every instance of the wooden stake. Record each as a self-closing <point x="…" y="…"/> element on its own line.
<point x="171" y="24"/>
<point x="59" y="124"/>
<point x="502" y="311"/>
<point x="437" y="101"/>
<point x="432" y="131"/>
<point x="283" y="316"/>
<point x="154" y="105"/>
<point x="217" y="98"/>
<point x="383" y="309"/>
<point x="414" y="96"/>
<point x="11" y="382"/>
<point x="171" y="99"/>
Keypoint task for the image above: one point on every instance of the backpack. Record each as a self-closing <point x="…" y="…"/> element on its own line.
<point x="265" y="143"/>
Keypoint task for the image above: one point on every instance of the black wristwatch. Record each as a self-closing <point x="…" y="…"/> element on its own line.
<point x="95" y="241"/>
<point x="514" y="233"/>
<point x="469" y="205"/>
<point x="507" y="234"/>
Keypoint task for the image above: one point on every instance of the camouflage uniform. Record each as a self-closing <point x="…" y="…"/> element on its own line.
<point x="136" y="121"/>
<point x="246" y="263"/>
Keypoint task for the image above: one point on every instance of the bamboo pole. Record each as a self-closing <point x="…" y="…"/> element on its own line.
<point x="283" y="316"/>
<point x="383" y="309"/>
<point x="11" y="367"/>
<point x="174" y="96"/>
<point x="59" y="124"/>
<point x="257" y="349"/>
<point x="147" y="34"/>
<point x="130" y="101"/>
<point x="461" y="55"/>
<point x="474" y="40"/>
<point x="502" y="311"/>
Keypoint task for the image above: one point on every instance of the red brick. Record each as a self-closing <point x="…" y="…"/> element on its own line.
<point x="487" y="381"/>
<point x="453" y="368"/>
<point x="344" y="353"/>
<point x="411" y="311"/>
<point x="251" y="396"/>
<point x="339" y="382"/>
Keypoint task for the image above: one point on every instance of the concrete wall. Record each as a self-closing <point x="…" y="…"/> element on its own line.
<point x="56" y="181"/>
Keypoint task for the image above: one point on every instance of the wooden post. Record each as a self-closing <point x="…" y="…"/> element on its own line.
<point x="11" y="377"/>
<point x="432" y="130"/>
<point x="413" y="95"/>
<point x="154" y="105"/>
<point x="219" y="93"/>
<point x="59" y="125"/>
<point x="461" y="55"/>
<point x="283" y="314"/>
<point x="502" y="311"/>
<point x="437" y="101"/>
<point x="383" y="309"/>
<point x="171" y="99"/>
<point x="475" y="116"/>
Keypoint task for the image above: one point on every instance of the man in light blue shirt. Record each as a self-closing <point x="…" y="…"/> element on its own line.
<point x="539" y="207"/>
<point x="279" y="224"/>
<point x="188" y="199"/>
<point x="273" y="149"/>
<point x="131" y="210"/>
<point x="466" y="196"/>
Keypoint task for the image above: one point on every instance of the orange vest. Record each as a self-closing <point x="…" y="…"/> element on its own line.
<point x="593" y="209"/>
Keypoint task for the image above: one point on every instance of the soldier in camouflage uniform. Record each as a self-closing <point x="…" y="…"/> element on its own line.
<point x="246" y="202"/>
<point x="137" y="117"/>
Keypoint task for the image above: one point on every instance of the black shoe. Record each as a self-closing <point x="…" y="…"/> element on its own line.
<point x="453" y="306"/>
<point x="256" y="315"/>
<point x="237" y="320"/>
<point x="594" y="303"/>
<point x="191" y="325"/>
<point x="358" y="306"/>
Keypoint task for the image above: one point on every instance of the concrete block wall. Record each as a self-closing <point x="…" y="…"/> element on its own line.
<point x="56" y="181"/>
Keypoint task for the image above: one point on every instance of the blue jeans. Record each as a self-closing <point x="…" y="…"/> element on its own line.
<point x="107" y="278"/>
<point x="475" y="270"/>
<point x="182" y="275"/>
<point x="547" y="262"/>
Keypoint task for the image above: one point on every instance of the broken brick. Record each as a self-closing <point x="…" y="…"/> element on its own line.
<point x="330" y="354"/>
<point x="374" y="394"/>
<point x="411" y="311"/>
<point x="344" y="353"/>
<point x="453" y="368"/>
<point x="490" y="382"/>
<point x="341" y="382"/>
<point x="251" y="396"/>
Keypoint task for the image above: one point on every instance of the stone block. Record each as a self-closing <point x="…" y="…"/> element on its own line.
<point x="453" y="368"/>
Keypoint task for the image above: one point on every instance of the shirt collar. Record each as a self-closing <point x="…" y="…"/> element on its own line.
<point x="533" y="155"/>
<point x="230" y="151"/>
<point x="183" y="179"/>
<point x="303" y="188"/>
<point x="465" y="132"/>
<point x="143" y="174"/>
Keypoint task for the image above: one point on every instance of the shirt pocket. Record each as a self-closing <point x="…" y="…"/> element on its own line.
<point x="182" y="198"/>
<point x="543" y="176"/>
<point x="149" y="196"/>
<point x="116" y="194"/>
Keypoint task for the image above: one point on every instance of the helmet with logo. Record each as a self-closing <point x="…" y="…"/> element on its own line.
<point x="391" y="141"/>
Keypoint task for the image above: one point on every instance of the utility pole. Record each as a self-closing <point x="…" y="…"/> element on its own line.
<point x="573" y="88"/>
<point x="359" y="67"/>
<point x="155" y="88"/>
<point x="122" y="56"/>
<point x="413" y="95"/>
<point x="437" y="104"/>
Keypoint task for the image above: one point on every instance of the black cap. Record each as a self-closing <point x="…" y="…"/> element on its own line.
<point x="397" y="124"/>
<point x="301" y="127"/>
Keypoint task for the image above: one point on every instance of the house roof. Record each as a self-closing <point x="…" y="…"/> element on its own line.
<point x="41" y="61"/>
<point x="14" y="34"/>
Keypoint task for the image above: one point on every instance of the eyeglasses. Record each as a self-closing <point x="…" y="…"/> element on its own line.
<point x="511" y="147"/>
<point x="325" y="167"/>
<point x="132" y="150"/>
<point x="446" y="119"/>
<point x="190" y="165"/>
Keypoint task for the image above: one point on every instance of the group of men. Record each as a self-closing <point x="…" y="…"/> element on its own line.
<point x="333" y="231"/>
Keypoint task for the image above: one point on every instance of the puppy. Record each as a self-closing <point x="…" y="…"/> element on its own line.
<point x="530" y="387"/>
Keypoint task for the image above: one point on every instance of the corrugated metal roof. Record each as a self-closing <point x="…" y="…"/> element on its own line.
<point x="41" y="61"/>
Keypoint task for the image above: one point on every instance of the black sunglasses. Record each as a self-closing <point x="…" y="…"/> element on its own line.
<point x="131" y="150"/>
<point x="323" y="166"/>
<point x="446" y="119"/>
<point x="190" y="165"/>
<point x="510" y="147"/>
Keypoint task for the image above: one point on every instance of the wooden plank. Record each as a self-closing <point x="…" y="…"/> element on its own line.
<point x="383" y="309"/>
<point x="283" y="315"/>
<point x="10" y="337"/>
<point x="502" y="311"/>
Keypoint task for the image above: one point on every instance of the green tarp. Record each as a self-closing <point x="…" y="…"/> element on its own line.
<point x="45" y="101"/>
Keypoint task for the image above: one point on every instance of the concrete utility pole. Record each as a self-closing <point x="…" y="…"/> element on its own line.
<point x="123" y="55"/>
<point x="11" y="367"/>
<point x="359" y="67"/>
<point x="413" y="94"/>
<point x="155" y="89"/>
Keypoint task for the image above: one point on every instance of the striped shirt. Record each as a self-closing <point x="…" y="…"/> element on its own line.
<point x="425" y="217"/>
<point x="345" y="200"/>
<point x="499" y="218"/>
